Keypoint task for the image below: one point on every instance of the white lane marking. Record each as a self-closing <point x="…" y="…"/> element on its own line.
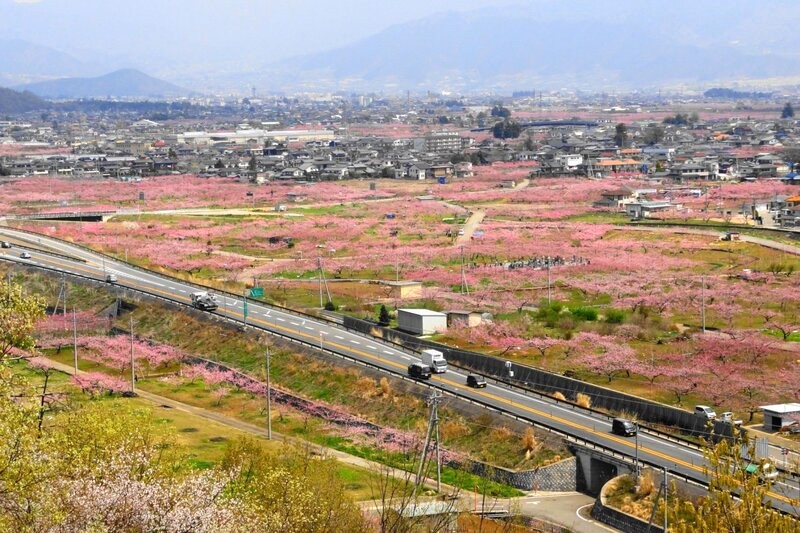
<point x="295" y="323"/>
<point x="598" y="524"/>
<point x="308" y="327"/>
<point x="371" y="347"/>
<point x="339" y="337"/>
<point x="355" y="342"/>
<point x="281" y="319"/>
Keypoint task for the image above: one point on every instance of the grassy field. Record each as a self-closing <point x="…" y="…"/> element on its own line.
<point x="203" y="441"/>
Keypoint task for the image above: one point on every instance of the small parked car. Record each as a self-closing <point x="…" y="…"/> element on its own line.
<point x="419" y="371"/>
<point x="25" y="255"/>
<point x="704" y="411"/>
<point x="5" y="244"/>
<point x="623" y="427"/>
<point x="111" y="278"/>
<point x="728" y="418"/>
<point x="476" y="381"/>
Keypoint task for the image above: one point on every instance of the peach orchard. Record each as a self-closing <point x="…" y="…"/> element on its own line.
<point x="651" y="292"/>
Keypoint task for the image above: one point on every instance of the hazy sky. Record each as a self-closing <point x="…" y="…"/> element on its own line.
<point x="244" y="32"/>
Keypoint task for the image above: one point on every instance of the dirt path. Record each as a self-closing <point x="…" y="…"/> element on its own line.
<point x="470" y="226"/>
<point x="788" y="248"/>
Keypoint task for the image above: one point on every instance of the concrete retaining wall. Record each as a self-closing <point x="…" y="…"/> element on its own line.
<point x="622" y="521"/>
<point x="557" y="477"/>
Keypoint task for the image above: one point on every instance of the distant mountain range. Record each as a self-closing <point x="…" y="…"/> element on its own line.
<point x="24" y="62"/>
<point x="514" y="48"/>
<point x="535" y="44"/>
<point x="14" y="102"/>
<point x="120" y="83"/>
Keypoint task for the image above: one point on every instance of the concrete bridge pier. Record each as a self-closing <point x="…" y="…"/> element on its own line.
<point x="594" y="469"/>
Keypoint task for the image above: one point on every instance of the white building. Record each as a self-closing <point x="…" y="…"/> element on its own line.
<point x="421" y="321"/>
<point x="780" y="415"/>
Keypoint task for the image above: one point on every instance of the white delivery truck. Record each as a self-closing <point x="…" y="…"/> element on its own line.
<point x="434" y="359"/>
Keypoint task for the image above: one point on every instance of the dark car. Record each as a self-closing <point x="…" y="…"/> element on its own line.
<point x="5" y="244"/>
<point x="476" y="381"/>
<point x="419" y="371"/>
<point x="621" y="426"/>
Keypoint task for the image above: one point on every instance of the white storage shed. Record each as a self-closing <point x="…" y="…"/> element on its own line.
<point x="421" y="321"/>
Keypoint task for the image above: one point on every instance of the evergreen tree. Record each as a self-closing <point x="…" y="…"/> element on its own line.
<point x="507" y="129"/>
<point x="383" y="316"/>
<point x="500" y="111"/>
<point x="788" y="111"/>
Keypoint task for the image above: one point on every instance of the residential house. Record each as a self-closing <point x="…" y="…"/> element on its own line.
<point x="614" y="199"/>
<point x="417" y="170"/>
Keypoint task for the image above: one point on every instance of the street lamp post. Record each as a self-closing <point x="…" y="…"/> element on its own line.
<point x="244" y="307"/>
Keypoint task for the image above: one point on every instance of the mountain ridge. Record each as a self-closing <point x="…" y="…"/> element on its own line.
<point x="511" y="48"/>
<point x="119" y="83"/>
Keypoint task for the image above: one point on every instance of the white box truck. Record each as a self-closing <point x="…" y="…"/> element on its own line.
<point x="434" y="359"/>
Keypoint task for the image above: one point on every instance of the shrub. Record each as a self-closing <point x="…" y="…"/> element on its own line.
<point x="330" y="306"/>
<point x="366" y="387"/>
<point x="501" y="433"/>
<point x="584" y="400"/>
<point x="559" y="396"/>
<point x="584" y="313"/>
<point x="615" y="316"/>
<point x="549" y="312"/>
<point x="386" y="389"/>
<point x="566" y="323"/>
<point x="646" y="484"/>
<point x="529" y="440"/>
<point x="453" y="429"/>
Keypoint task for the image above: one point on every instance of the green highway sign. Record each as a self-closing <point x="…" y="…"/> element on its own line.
<point x="257" y="292"/>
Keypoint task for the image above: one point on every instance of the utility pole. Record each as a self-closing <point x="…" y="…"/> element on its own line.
<point x="464" y="285"/>
<point x="549" y="293"/>
<point x="62" y="295"/>
<point x="433" y="424"/>
<point x="269" y="401"/>
<point x="75" y="339"/>
<point x="438" y="455"/>
<point x="703" y="302"/>
<point x="665" y="499"/>
<point x="319" y="272"/>
<point x="133" y="371"/>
